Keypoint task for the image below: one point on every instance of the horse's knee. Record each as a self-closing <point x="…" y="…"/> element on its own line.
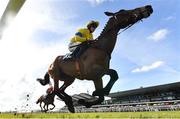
<point x="113" y="74"/>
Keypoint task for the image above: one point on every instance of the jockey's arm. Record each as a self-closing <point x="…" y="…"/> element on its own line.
<point x="80" y="39"/>
<point x="81" y="36"/>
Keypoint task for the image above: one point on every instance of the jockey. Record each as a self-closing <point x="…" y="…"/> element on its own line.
<point x="48" y="91"/>
<point x="82" y="35"/>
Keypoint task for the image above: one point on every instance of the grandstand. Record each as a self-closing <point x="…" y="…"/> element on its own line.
<point x="168" y="92"/>
<point x="154" y="98"/>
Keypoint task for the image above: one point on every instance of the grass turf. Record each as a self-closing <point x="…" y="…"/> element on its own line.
<point x="130" y="115"/>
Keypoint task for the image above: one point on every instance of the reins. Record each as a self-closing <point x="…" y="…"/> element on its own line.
<point x="128" y="27"/>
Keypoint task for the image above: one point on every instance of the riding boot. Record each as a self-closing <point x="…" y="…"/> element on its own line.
<point x="73" y="54"/>
<point x="82" y="48"/>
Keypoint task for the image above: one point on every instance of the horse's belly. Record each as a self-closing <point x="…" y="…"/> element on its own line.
<point x="95" y="65"/>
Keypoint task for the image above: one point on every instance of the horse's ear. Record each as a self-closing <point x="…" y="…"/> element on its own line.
<point x="109" y="13"/>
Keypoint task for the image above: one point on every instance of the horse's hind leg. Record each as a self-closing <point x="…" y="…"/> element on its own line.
<point x="68" y="99"/>
<point x="67" y="82"/>
<point x="62" y="95"/>
<point x="53" y="106"/>
<point x="44" y="81"/>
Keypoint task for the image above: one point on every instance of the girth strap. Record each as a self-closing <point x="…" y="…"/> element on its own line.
<point x="78" y="67"/>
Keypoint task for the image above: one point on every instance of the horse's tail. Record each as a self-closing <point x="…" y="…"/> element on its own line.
<point x="37" y="101"/>
<point x="44" y="81"/>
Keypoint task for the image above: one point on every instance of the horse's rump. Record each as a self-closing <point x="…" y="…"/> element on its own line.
<point x="60" y="67"/>
<point x="53" y="69"/>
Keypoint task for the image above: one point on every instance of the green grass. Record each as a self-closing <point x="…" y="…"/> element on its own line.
<point x="130" y="115"/>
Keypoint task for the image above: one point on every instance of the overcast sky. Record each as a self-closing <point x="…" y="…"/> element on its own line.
<point x="147" y="54"/>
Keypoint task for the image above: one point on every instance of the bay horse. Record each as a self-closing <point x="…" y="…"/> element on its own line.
<point x="47" y="100"/>
<point x="94" y="63"/>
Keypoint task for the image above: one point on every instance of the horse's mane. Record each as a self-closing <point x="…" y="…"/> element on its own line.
<point x="106" y="28"/>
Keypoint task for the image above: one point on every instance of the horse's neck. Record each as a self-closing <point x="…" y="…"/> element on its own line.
<point x="107" y="39"/>
<point x="108" y="36"/>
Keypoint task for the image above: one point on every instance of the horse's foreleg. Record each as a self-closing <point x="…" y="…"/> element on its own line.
<point x="53" y="106"/>
<point x="88" y="104"/>
<point x="113" y="78"/>
<point x="47" y="107"/>
<point x="98" y="86"/>
<point x="41" y="106"/>
<point x="44" y="107"/>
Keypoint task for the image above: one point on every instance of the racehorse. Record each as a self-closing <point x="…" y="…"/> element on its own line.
<point x="47" y="100"/>
<point x="94" y="63"/>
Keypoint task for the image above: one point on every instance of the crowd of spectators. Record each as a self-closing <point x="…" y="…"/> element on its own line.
<point x="124" y="108"/>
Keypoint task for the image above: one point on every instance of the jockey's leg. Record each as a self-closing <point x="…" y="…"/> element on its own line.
<point x="82" y="48"/>
<point x="74" y="53"/>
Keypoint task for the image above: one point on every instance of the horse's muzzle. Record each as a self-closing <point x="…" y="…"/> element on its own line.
<point x="149" y="8"/>
<point x="148" y="11"/>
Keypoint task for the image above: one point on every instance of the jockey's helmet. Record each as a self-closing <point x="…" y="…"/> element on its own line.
<point x="92" y="23"/>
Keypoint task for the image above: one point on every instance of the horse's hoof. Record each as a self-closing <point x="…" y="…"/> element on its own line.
<point x="100" y="92"/>
<point x="44" y="111"/>
<point x="38" y="79"/>
<point x="71" y="109"/>
<point x="96" y="93"/>
<point x="70" y="106"/>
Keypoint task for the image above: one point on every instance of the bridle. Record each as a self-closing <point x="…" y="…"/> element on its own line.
<point x="142" y="12"/>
